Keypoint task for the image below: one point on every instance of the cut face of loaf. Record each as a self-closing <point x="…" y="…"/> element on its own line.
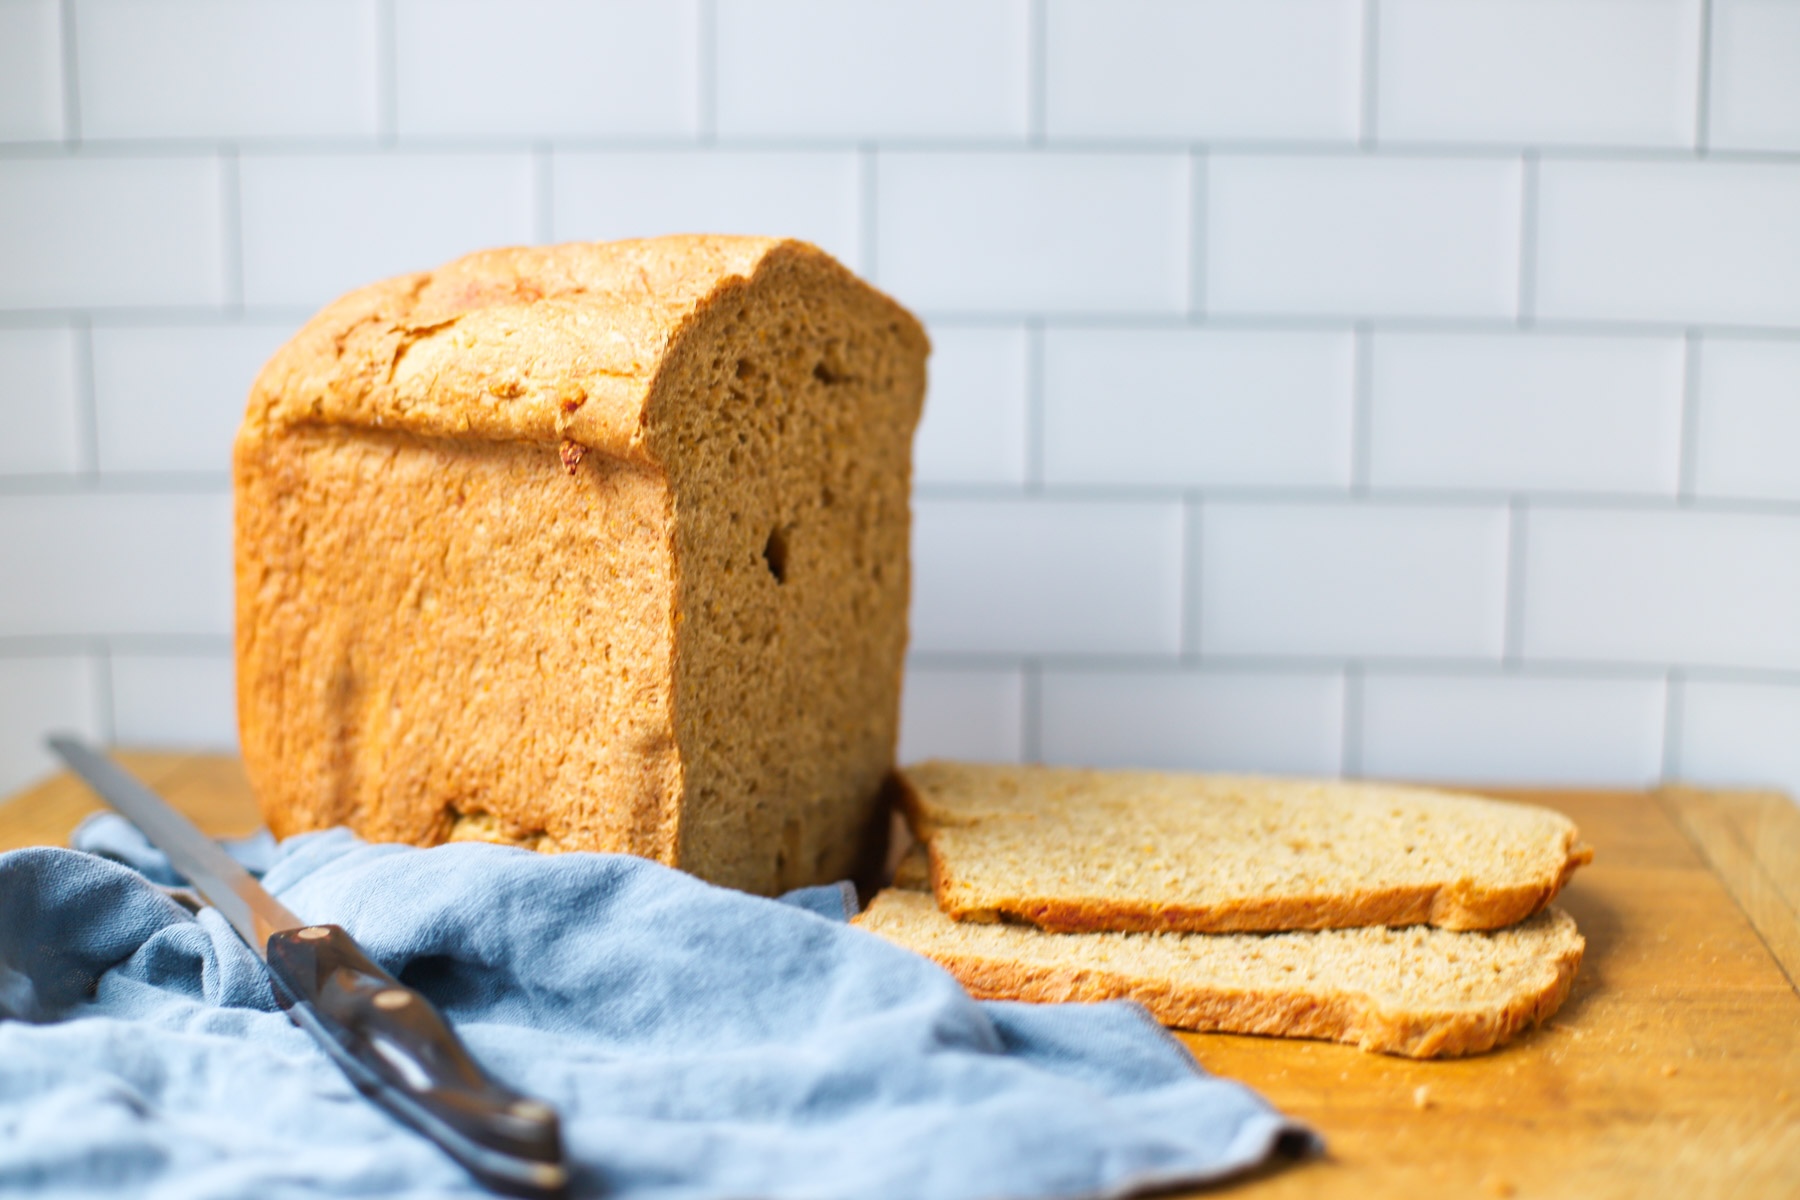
<point x="1418" y="992"/>
<point x="588" y="547"/>
<point x="1073" y="850"/>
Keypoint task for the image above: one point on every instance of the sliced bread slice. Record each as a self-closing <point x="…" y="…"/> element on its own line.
<point x="1418" y="992"/>
<point x="1079" y="850"/>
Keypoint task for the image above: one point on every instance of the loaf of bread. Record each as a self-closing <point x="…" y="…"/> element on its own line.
<point x="586" y="547"/>
<point x="1419" y="992"/>
<point x="1075" y="850"/>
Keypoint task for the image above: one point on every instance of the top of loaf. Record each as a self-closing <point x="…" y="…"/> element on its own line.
<point x="546" y="344"/>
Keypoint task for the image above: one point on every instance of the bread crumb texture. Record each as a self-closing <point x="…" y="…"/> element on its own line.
<point x="1419" y="992"/>
<point x="1071" y="850"/>
<point x="586" y="547"/>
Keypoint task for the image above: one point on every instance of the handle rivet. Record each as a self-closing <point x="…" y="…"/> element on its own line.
<point x="531" y="1110"/>
<point x="391" y="998"/>
<point x="313" y="933"/>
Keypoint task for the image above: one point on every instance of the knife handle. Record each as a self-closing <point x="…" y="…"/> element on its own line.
<point x="399" y="1052"/>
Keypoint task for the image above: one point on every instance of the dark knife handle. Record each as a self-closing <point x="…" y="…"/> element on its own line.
<point x="399" y="1052"/>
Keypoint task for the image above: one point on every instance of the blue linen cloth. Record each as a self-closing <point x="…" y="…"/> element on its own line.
<point x="698" y="1042"/>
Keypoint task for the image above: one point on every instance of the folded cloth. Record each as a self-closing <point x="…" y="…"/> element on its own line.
<point x="698" y="1042"/>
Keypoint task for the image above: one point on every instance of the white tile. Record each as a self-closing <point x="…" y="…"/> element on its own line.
<point x="1259" y="722"/>
<point x="1049" y="577"/>
<point x="219" y="68"/>
<point x="1190" y="407"/>
<point x="1578" y="414"/>
<point x="881" y="68"/>
<point x="1741" y="734"/>
<point x="170" y="398"/>
<point x="973" y="430"/>
<point x="1690" y="242"/>
<point x="31" y="90"/>
<point x="1512" y="729"/>
<point x="85" y="563"/>
<point x="805" y="195"/>
<point x="1212" y="69"/>
<point x="1755" y="101"/>
<point x="111" y="231"/>
<point x="977" y="716"/>
<point x="546" y="68"/>
<point x="1544" y="72"/>
<point x="186" y="701"/>
<point x="1364" y="579"/>
<point x="1748" y="440"/>
<point x="1362" y="235"/>
<point x="1023" y="232"/>
<point x="39" y="696"/>
<point x="39" y="409"/>
<point x="315" y="227"/>
<point x="1698" y="588"/>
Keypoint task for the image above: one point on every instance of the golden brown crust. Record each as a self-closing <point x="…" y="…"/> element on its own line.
<point x="1335" y="1017"/>
<point x="1461" y="904"/>
<point x="537" y="343"/>
<point x="1090" y="970"/>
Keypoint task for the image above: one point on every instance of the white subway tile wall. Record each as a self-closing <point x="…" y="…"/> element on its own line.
<point x="1521" y="412"/>
<point x="1755" y="94"/>
<point x="543" y="69"/>
<point x="1384" y="236"/>
<point x="31" y="87"/>
<point x="1539" y="72"/>
<point x="1512" y="728"/>
<point x="1386" y="387"/>
<point x="40" y="404"/>
<point x="874" y="69"/>
<point x="226" y="69"/>
<point x="169" y="398"/>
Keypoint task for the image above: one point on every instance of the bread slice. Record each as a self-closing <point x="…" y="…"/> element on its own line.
<point x="1418" y="992"/>
<point x="600" y="546"/>
<point x="1076" y="850"/>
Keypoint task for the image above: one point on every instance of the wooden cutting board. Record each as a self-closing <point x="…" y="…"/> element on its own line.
<point x="1673" y="1070"/>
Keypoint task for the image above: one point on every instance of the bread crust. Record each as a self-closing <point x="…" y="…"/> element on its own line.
<point x="600" y="546"/>
<point x="1459" y="905"/>
<point x="1331" y="1014"/>
<point x="1335" y="1017"/>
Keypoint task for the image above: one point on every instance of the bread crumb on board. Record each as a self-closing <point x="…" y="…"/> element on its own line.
<point x="1422" y="1097"/>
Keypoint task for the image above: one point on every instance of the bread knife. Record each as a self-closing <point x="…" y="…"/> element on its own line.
<point x="396" y="1048"/>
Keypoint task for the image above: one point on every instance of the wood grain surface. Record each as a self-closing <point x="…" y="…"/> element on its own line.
<point x="1673" y="1070"/>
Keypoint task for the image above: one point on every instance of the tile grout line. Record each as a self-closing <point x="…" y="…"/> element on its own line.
<point x="1512" y="636"/>
<point x="1674" y="693"/>
<point x="105" y="693"/>
<point x="1031" y="710"/>
<point x="1035" y="420"/>
<point x="1197" y="214"/>
<point x="1703" y="83"/>
<point x="231" y="232"/>
<point x="87" y="406"/>
<point x="1188" y="618"/>
<point x="1371" y="63"/>
<point x="1688" y="453"/>
<point x="1350" y="763"/>
<point x="868" y="180"/>
<point x="71" y="75"/>
<point x="543" y="183"/>
<point x="387" y="74"/>
<point x="1036" y="71"/>
<point x="1362" y="407"/>
<point x="1528" y="238"/>
<point x="706" y="73"/>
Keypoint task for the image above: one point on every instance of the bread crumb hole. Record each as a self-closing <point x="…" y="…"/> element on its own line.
<point x="775" y="553"/>
<point x="825" y="374"/>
